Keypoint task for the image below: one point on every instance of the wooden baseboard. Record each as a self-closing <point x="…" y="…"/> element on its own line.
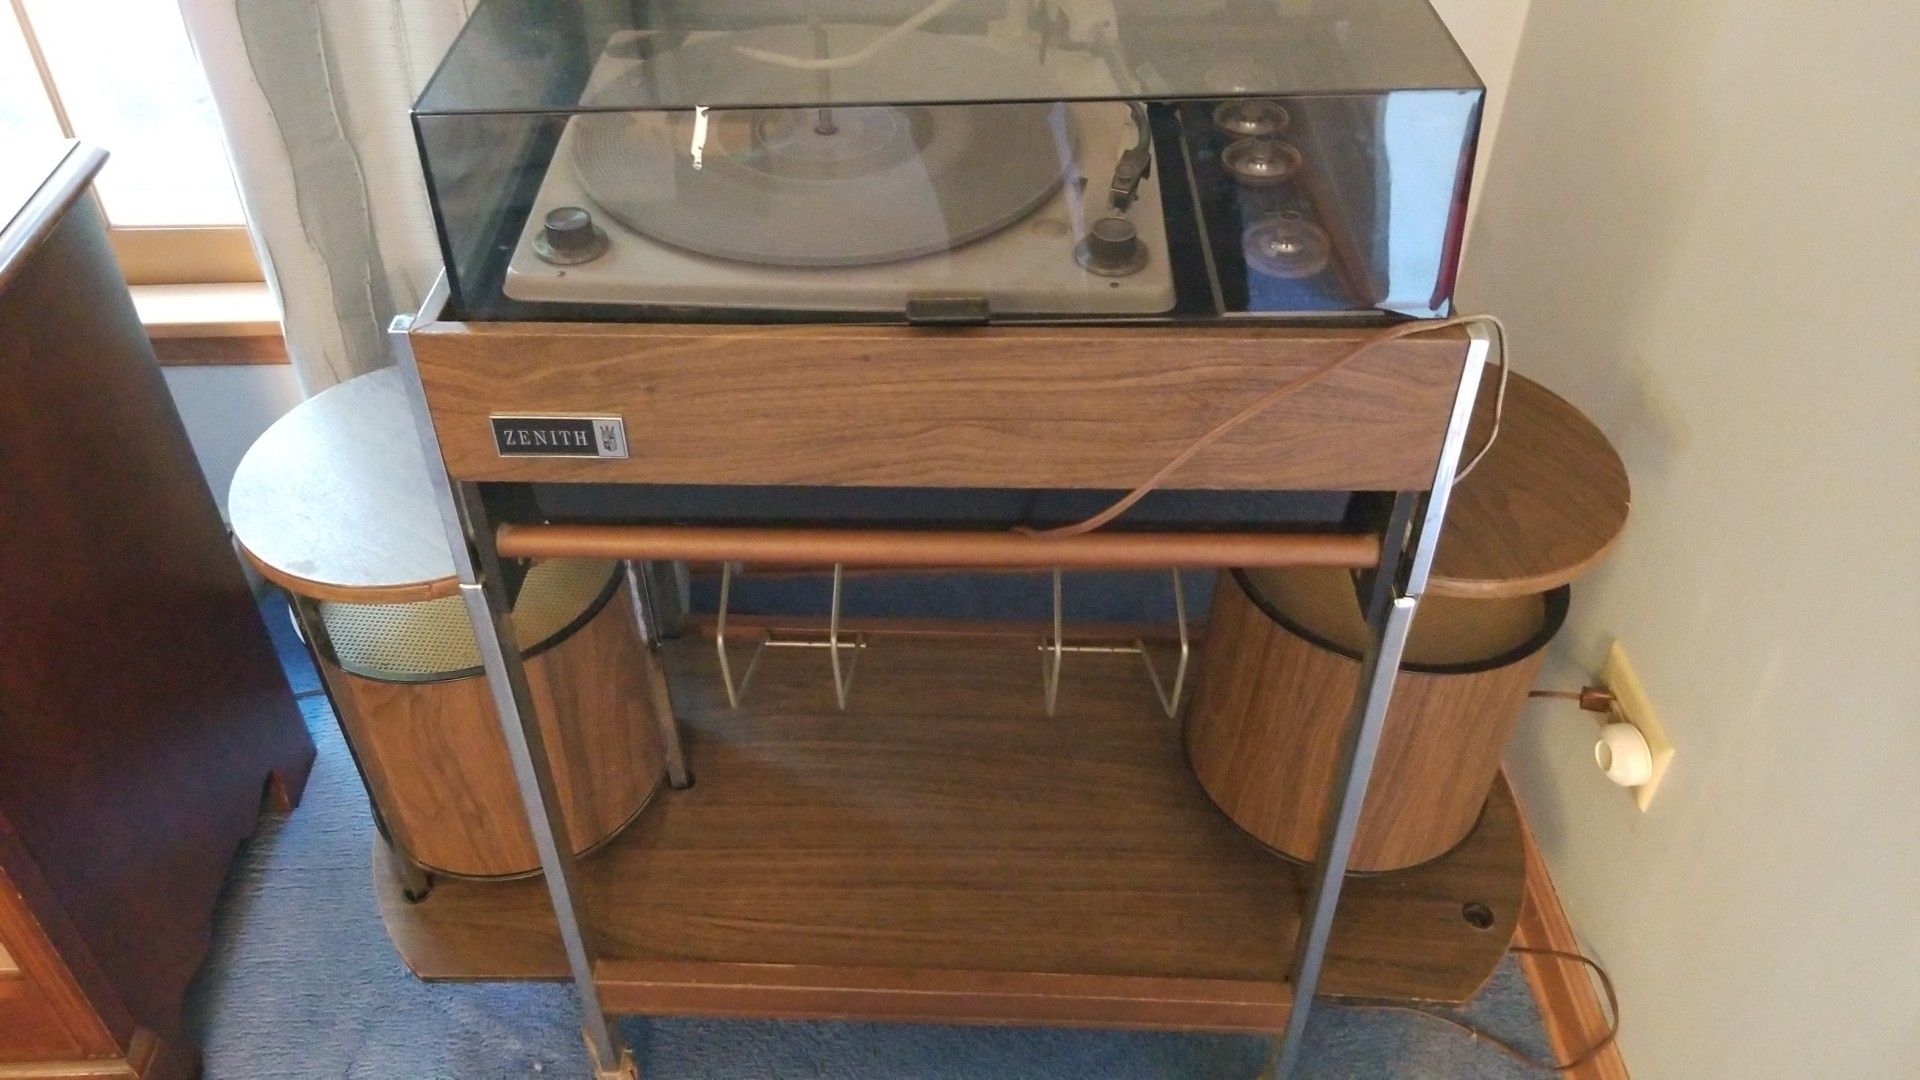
<point x="1570" y="1005"/>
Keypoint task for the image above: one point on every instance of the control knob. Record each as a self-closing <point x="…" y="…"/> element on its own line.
<point x="1112" y="248"/>
<point x="569" y="237"/>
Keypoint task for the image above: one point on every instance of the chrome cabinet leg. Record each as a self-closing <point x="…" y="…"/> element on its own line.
<point x="1378" y="669"/>
<point x="1406" y="558"/>
<point x="660" y="696"/>
<point x="490" y="610"/>
<point x="483" y="591"/>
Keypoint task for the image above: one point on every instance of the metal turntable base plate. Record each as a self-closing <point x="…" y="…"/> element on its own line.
<point x="1027" y="267"/>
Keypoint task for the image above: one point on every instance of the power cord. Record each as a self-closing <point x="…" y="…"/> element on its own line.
<point x="1590" y="698"/>
<point x="1482" y="1035"/>
<point x="1288" y="389"/>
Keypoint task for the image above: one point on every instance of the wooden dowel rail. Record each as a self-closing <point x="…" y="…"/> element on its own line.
<point x="907" y="549"/>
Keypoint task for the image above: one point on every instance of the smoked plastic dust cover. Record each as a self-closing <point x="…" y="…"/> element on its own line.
<point x="950" y="161"/>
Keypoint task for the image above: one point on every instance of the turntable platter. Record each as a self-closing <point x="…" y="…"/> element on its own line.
<point x="840" y="186"/>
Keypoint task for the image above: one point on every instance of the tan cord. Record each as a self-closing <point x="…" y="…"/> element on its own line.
<point x="1591" y="698"/>
<point x="1499" y="397"/>
<point x="1512" y="1051"/>
<point x="1281" y="393"/>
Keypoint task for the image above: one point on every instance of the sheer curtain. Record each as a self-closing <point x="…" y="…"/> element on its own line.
<point x="314" y="97"/>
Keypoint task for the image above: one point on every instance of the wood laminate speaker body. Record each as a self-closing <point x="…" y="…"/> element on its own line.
<point x="436" y="763"/>
<point x="1275" y="691"/>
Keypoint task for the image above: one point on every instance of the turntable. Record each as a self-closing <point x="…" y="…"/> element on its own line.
<point x="1021" y="208"/>
<point x="948" y="161"/>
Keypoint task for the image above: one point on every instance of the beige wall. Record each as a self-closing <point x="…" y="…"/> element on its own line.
<point x="1703" y="221"/>
<point x="225" y="408"/>
<point x="1489" y="33"/>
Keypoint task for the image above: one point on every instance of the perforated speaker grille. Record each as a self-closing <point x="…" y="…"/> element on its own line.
<point x="431" y="639"/>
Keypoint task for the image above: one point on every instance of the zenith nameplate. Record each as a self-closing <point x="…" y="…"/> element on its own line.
<point x="560" y="436"/>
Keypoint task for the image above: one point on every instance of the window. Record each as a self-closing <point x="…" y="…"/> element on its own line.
<point x="121" y="74"/>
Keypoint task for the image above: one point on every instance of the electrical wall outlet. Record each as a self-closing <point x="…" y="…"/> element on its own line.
<point x="1632" y="705"/>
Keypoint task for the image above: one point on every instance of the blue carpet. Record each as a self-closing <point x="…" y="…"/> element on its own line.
<point x="301" y="982"/>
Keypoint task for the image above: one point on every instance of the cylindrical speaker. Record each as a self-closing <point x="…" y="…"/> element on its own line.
<point x="1275" y="691"/>
<point x="407" y="683"/>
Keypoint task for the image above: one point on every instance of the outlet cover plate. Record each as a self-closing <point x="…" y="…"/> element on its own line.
<point x="1632" y="705"/>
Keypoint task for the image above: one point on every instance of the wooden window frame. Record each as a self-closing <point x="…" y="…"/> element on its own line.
<point x="201" y="255"/>
<point x="155" y="255"/>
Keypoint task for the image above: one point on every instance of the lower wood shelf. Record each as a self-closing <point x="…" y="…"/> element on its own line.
<point x="944" y="852"/>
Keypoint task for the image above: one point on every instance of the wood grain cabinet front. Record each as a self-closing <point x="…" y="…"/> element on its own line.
<point x="1006" y="406"/>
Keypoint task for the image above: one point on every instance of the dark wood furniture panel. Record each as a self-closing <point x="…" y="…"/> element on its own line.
<point x="1013" y="407"/>
<point x="142" y="710"/>
<point x="945" y="852"/>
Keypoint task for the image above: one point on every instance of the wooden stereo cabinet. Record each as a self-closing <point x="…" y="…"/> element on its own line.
<point x="946" y="853"/>
<point x="142" y="710"/>
<point x="936" y="339"/>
